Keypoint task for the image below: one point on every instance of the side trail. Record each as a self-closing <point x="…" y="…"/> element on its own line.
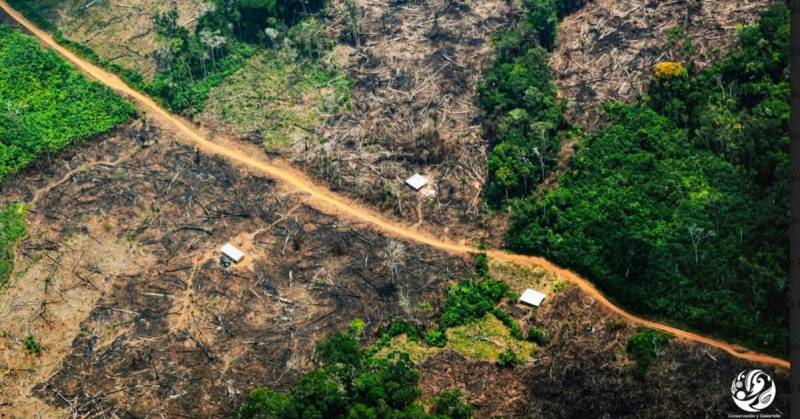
<point x="328" y="201"/>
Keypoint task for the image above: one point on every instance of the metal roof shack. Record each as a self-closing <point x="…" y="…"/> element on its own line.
<point x="532" y="298"/>
<point x="232" y="252"/>
<point x="417" y="181"/>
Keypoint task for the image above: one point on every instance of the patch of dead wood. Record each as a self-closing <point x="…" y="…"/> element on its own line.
<point x="606" y="50"/>
<point x="156" y="326"/>
<point x="414" y="70"/>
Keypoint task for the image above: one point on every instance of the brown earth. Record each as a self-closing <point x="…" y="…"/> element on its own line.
<point x="174" y="336"/>
<point x="414" y="68"/>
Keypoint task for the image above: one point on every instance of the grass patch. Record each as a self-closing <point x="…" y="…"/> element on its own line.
<point x="279" y="99"/>
<point x="484" y="340"/>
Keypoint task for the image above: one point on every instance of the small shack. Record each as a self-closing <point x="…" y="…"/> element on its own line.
<point x="532" y="298"/>
<point x="417" y="181"/>
<point x="232" y="252"/>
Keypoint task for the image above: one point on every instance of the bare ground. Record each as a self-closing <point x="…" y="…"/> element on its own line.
<point x="414" y="68"/>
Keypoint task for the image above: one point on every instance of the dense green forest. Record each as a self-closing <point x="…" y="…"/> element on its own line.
<point x="678" y="208"/>
<point x="47" y="105"/>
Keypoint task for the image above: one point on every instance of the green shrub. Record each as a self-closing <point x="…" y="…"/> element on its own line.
<point x="481" y="264"/>
<point x="468" y="301"/>
<point x="436" y="338"/>
<point x="645" y="346"/>
<point x="350" y="383"/>
<point x="507" y="359"/>
<point x="537" y="336"/>
<point x="32" y="346"/>
<point x="357" y="327"/>
<point x="452" y="404"/>
<point x="509" y="322"/>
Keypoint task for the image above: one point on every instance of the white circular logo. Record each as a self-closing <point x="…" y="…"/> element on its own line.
<point x="753" y="390"/>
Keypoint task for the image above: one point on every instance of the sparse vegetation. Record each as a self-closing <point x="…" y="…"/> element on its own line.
<point x="537" y="336"/>
<point x="279" y="97"/>
<point x="47" y="105"/>
<point x="452" y="404"/>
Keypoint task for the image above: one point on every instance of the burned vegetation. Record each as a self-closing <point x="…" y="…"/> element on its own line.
<point x="173" y="332"/>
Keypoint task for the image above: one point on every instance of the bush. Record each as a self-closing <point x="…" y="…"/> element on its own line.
<point x="509" y="322"/>
<point x="537" y="336"/>
<point x="468" y="301"/>
<point x="507" y="359"/>
<point x="645" y="346"/>
<point x="357" y="327"/>
<point x="397" y="328"/>
<point x="436" y="338"/>
<point x="481" y="265"/>
<point x="452" y="404"/>
<point x="32" y="346"/>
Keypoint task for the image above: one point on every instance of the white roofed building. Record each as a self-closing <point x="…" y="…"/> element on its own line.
<point x="232" y="252"/>
<point x="417" y="181"/>
<point x="532" y="297"/>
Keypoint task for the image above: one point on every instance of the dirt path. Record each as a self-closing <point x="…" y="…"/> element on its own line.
<point x="328" y="201"/>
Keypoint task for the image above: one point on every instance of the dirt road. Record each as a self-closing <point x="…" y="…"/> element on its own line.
<point x="328" y="201"/>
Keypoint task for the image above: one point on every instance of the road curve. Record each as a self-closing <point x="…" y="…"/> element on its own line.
<point x="330" y="201"/>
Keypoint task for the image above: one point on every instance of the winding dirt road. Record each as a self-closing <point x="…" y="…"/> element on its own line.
<point x="328" y="201"/>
